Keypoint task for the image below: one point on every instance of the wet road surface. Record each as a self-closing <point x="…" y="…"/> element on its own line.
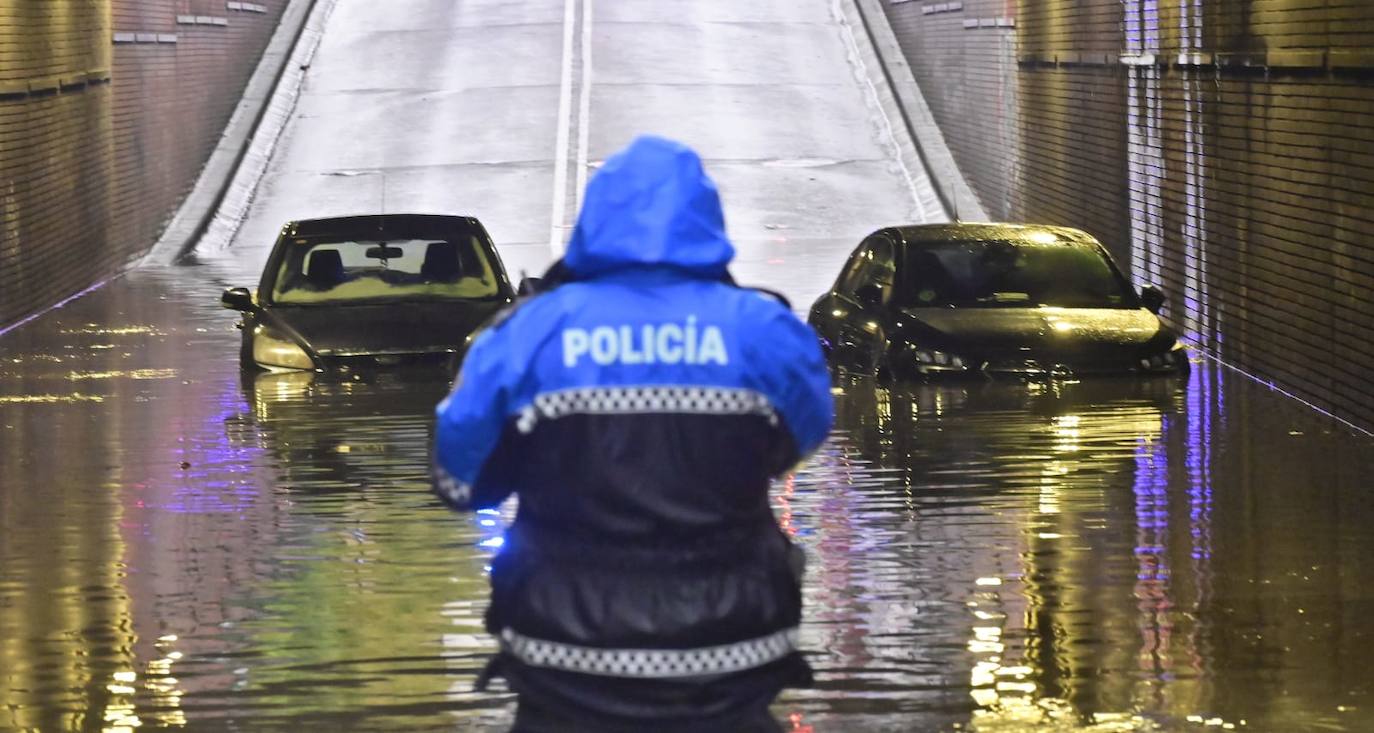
<point x="181" y="548"/>
<point x="502" y="110"/>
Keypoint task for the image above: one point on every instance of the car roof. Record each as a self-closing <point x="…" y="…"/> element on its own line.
<point x="395" y="226"/>
<point x="957" y="231"/>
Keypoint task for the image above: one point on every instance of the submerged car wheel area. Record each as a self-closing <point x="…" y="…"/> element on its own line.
<point x="952" y="300"/>
<point x="366" y="292"/>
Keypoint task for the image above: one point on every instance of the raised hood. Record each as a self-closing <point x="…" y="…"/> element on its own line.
<point x="650" y="205"/>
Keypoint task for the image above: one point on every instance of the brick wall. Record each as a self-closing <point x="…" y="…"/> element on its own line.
<point x="108" y="110"/>
<point x="1220" y="148"/>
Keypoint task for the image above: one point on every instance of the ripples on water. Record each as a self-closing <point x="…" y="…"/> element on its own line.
<point x="181" y="548"/>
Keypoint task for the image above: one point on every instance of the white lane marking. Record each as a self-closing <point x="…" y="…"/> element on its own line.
<point x="876" y="103"/>
<point x="560" y="160"/>
<point x="584" y="111"/>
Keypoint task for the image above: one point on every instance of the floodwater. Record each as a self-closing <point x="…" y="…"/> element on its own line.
<point x="181" y="548"/>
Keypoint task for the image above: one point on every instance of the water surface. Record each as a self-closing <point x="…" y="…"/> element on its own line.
<point x="183" y="547"/>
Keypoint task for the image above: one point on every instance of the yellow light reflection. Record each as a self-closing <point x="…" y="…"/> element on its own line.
<point x="986" y="640"/>
<point x="884" y="415"/>
<point x="273" y="388"/>
<point x="1017" y="681"/>
<point x="120" y="717"/>
<point x="125" y="374"/>
<point x="49" y="398"/>
<point x="92" y="328"/>
<point x="983" y="674"/>
<point x="1049" y="496"/>
<point x="163" y="687"/>
<point x="1065" y="429"/>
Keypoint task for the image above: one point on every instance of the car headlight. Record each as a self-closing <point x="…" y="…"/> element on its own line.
<point x="930" y="357"/>
<point x="270" y="350"/>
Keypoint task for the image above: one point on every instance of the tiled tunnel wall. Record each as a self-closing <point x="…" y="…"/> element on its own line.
<point x="1223" y="149"/>
<point x="108" y="111"/>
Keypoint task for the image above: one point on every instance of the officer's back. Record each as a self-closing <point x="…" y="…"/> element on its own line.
<point x="639" y="412"/>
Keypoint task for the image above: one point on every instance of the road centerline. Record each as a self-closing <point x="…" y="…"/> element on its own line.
<point x="584" y="110"/>
<point x="564" y="133"/>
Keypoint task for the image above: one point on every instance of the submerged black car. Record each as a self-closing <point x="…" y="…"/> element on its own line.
<point x="363" y="292"/>
<point x="991" y="299"/>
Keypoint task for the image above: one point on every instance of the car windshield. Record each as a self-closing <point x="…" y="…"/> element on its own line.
<point x="334" y="270"/>
<point x="1011" y="274"/>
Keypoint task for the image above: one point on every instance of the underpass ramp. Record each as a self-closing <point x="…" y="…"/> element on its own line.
<point x="502" y="110"/>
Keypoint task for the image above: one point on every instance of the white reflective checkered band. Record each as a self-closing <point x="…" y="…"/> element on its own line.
<point x="449" y="487"/>
<point x="660" y="399"/>
<point x="651" y="663"/>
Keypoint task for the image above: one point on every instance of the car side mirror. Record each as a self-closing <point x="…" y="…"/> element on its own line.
<point x="529" y="286"/>
<point x="869" y="295"/>
<point x="1152" y="298"/>
<point x="238" y="299"/>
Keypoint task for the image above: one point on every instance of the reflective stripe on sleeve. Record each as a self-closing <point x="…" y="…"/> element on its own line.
<point x="449" y="488"/>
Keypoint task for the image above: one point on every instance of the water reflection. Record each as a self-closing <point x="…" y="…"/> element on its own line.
<point x="191" y="548"/>
<point x="1069" y="535"/>
<point x="1002" y="490"/>
<point x="69" y="536"/>
<point x="197" y="549"/>
<point x="376" y="601"/>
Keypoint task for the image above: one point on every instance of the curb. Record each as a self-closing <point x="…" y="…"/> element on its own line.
<point x="955" y="195"/>
<point x="197" y="211"/>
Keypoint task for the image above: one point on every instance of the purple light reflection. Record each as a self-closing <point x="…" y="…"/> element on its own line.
<point x="213" y="452"/>
<point x="1201" y="393"/>
<point x="1152" y="590"/>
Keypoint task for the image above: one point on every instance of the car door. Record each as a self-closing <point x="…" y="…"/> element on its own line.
<point x="829" y="312"/>
<point x="857" y="309"/>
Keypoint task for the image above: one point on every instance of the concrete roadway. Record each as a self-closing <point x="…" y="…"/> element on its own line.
<point x="501" y="110"/>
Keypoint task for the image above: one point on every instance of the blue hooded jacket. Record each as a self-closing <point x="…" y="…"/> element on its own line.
<point x="640" y="411"/>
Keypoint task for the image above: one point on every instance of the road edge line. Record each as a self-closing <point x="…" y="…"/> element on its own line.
<point x="956" y="197"/>
<point x="198" y="210"/>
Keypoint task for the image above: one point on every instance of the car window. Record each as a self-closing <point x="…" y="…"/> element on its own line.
<point x="1010" y="274"/>
<point x="882" y="267"/>
<point x="872" y="263"/>
<point x="331" y="271"/>
<point x="850" y="278"/>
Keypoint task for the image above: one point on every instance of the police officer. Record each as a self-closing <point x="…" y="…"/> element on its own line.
<point x="639" y="411"/>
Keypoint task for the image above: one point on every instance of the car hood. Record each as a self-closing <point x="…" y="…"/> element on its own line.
<point x="390" y="328"/>
<point x="1036" y="331"/>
